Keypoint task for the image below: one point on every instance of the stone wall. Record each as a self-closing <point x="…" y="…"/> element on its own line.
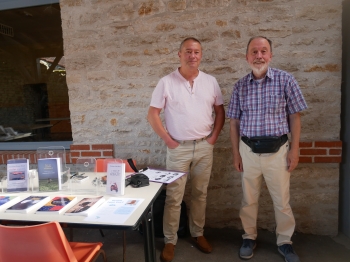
<point x="116" y="51"/>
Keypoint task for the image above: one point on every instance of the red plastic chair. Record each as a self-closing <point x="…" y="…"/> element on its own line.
<point x="101" y="164"/>
<point x="45" y="242"/>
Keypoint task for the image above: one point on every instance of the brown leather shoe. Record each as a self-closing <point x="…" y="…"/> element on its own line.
<point x="167" y="254"/>
<point x="202" y="244"/>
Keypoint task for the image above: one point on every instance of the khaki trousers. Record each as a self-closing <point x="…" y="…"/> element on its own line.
<point x="197" y="159"/>
<point x="273" y="168"/>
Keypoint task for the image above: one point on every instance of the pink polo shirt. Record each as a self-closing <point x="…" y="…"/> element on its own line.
<point x="188" y="112"/>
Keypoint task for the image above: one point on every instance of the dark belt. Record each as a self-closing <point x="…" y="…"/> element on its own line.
<point x="265" y="144"/>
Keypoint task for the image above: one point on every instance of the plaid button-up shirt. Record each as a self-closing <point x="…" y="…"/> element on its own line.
<point x="263" y="106"/>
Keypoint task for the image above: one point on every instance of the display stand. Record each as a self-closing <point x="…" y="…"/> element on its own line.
<point x="84" y="179"/>
<point x="53" y="152"/>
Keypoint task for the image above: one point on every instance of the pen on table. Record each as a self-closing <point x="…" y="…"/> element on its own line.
<point x="76" y="174"/>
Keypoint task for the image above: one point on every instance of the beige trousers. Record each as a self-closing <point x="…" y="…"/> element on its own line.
<point x="197" y="159"/>
<point x="273" y="168"/>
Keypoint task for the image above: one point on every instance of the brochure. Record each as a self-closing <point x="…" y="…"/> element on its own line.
<point x="162" y="176"/>
<point x="85" y="206"/>
<point x="49" y="174"/>
<point x="115" y="210"/>
<point x="115" y="178"/>
<point x="28" y="204"/>
<point x="17" y="174"/>
<point x="57" y="205"/>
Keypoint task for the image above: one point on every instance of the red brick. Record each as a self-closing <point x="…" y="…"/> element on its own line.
<point x="305" y="159"/>
<point x="107" y="153"/>
<point x="75" y="153"/>
<point x="305" y="144"/>
<point x="328" y="159"/>
<point x="74" y="160"/>
<point x="328" y="143"/>
<point x="102" y="147"/>
<point x="91" y="153"/>
<point x="313" y="152"/>
<point x="79" y="147"/>
<point x="335" y="151"/>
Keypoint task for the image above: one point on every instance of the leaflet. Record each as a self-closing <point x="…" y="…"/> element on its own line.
<point x="115" y="210"/>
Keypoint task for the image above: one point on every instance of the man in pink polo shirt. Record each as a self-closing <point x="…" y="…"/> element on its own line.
<point x="188" y="97"/>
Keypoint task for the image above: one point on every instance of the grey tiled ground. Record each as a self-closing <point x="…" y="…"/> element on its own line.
<point x="226" y="243"/>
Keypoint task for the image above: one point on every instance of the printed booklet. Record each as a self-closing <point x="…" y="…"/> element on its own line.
<point x="7" y="201"/>
<point x="17" y="174"/>
<point x="49" y="174"/>
<point x="57" y="205"/>
<point x="85" y="206"/>
<point x="28" y="204"/>
<point x="115" y="178"/>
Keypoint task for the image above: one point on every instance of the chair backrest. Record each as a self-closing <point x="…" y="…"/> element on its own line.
<point x="101" y="164"/>
<point x="44" y="242"/>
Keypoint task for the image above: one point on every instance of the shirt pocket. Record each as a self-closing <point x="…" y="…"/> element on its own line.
<point x="276" y="103"/>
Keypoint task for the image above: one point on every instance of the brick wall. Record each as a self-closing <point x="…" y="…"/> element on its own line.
<point x="76" y="151"/>
<point x="309" y="152"/>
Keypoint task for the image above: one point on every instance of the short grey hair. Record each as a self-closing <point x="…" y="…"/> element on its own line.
<point x="263" y="37"/>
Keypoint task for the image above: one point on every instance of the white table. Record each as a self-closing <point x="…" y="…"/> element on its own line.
<point x="142" y="213"/>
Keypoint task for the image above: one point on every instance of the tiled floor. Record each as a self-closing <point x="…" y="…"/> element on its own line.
<point x="226" y="243"/>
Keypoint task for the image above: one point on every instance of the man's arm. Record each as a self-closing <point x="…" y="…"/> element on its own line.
<point x="218" y="123"/>
<point x="157" y="125"/>
<point x="293" y="154"/>
<point x="234" y="135"/>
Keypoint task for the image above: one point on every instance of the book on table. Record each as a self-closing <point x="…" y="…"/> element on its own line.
<point x="85" y="206"/>
<point x="49" y="174"/>
<point x="57" y="205"/>
<point x="28" y="204"/>
<point x="115" y="178"/>
<point x="17" y="174"/>
<point x="7" y="201"/>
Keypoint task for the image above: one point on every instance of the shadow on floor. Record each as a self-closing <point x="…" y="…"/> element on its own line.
<point x="226" y="244"/>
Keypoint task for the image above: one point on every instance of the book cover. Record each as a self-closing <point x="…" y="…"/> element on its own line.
<point x="85" y="206"/>
<point x="17" y="174"/>
<point x="57" y="205"/>
<point x="7" y="201"/>
<point x="115" y="178"/>
<point x="49" y="174"/>
<point x="28" y="204"/>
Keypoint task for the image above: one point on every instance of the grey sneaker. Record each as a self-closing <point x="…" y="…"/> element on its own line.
<point x="287" y="251"/>
<point x="247" y="247"/>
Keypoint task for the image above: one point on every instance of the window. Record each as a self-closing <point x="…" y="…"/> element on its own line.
<point x="34" y="94"/>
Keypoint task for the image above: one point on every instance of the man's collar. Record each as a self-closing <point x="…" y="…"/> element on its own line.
<point x="269" y="74"/>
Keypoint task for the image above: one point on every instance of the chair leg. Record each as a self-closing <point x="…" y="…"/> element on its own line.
<point x="71" y="234"/>
<point x="100" y="252"/>
<point x="124" y="245"/>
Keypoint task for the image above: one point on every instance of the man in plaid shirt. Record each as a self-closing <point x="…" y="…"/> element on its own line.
<point x="265" y="104"/>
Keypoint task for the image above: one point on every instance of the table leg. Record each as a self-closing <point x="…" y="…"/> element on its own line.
<point x="148" y="233"/>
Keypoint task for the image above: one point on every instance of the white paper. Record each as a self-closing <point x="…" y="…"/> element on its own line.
<point x="162" y="176"/>
<point x="115" y="210"/>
